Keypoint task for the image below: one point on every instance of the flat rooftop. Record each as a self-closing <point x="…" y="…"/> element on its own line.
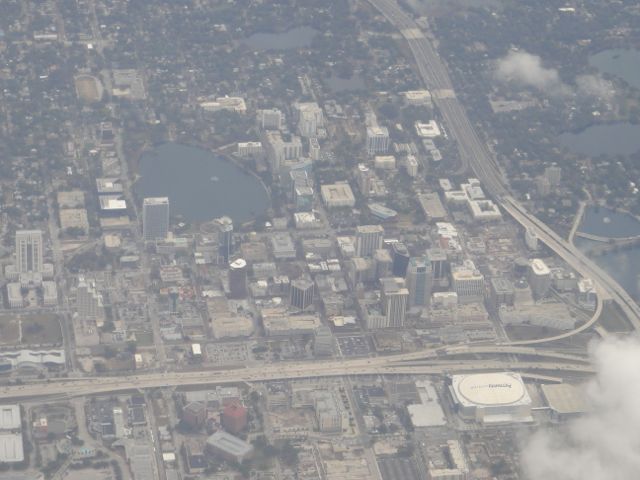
<point x="10" y="417"/>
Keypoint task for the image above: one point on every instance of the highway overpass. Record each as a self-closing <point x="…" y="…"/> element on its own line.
<point x="371" y="366"/>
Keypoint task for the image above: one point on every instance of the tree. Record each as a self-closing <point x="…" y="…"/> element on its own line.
<point x="132" y="347"/>
<point x="288" y="453"/>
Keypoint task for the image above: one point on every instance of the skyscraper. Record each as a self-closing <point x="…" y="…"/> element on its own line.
<point x="302" y="293"/>
<point x="368" y="239"/>
<point x="377" y="140"/>
<point x="419" y="281"/>
<point x="155" y="218"/>
<point x="29" y="251"/>
<point x="238" y="278"/>
<point x="225" y="237"/>
<point x="395" y="297"/>
<point x="439" y="266"/>
<point x="400" y="259"/>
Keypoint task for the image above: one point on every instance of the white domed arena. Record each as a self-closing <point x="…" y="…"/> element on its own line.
<point x="491" y="398"/>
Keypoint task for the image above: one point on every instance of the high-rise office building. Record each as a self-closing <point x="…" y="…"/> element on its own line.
<point x="368" y="239"/>
<point x="539" y="278"/>
<point x="29" y="251"/>
<point x="400" y="259"/>
<point x="309" y="117"/>
<point x="301" y="293"/>
<point x="468" y="283"/>
<point x="419" y="281"/>
<point x="377" y="140"/>
<point x="225" y="237"/>
<point x="439" y="266"/>
<point x="155" y="218"/>
<point x="395" y="297"/>
<point x="238" y="278"/>
<point x="384" y="263"/>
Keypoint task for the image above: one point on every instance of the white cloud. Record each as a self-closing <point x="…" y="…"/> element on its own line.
<point x="604" y="444"/>
<point x="527" y="69"/>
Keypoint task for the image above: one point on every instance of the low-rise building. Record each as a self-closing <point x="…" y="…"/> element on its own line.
<point x="285" y="325"/>
<point x="229" y="447"/>
<point x="231" y="326"/>
<point x="550" y="315"/>
<point x="337" y="195"/>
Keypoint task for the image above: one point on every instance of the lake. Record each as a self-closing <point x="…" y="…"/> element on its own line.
<point x="613" y="139"/>
<point x="623" y="265"/>
<point x="294" y="38"/>
<point x="606" y="222"/>
<point x="201" y="185"/>
<point x="624" y="64"/>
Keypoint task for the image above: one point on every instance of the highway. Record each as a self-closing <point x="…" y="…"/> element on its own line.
<point x="475" y="154"/>
<point x="289" y="371"/>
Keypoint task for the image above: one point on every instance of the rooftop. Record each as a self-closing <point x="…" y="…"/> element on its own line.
<point x="229" y="444"/>
<point x="9" y="417"/>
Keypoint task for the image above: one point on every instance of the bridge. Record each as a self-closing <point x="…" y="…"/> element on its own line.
<point x="611" y="245"/>
<point x="609" y="240"/>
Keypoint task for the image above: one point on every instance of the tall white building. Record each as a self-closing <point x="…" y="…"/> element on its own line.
<point x="539" y="277"/>
<point x="155" y="218"/>
<point x="395" y="297"/>
<point x="309" y="117"/>
<point x="377" y="140"/>
<point x="368" y="239"/>
<point x="279" y="150"/>
<point x="468" y="283"/>
<point x="29" y="251"/>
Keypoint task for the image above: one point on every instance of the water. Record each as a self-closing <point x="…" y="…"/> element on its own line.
<point x="606" y="222"/>
<point x="337" y="84"/>
<point x="614" y="139"/>
<point x="294" y="38"/>
<point x="623" y="265"/>
<point x="624" y="64"/>
<point x="200" y="184"/>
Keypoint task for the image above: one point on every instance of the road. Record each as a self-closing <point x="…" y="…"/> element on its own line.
<point x="428" y="363"/>
<point x="577" y="221"/>
<point x="476" y="154"/>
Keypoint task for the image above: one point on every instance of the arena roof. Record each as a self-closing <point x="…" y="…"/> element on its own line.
<point x="490" y="389"/>
<point x="565" y="399"/>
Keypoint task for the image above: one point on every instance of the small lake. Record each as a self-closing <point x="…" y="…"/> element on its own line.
<point x="201" y="185"/>
<point x="624" y="64"/>
<point x="623" y="265"/>
<point x="294" y="38"/>
<point x="614" y="139"/>
<point x="606" y="222"/>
